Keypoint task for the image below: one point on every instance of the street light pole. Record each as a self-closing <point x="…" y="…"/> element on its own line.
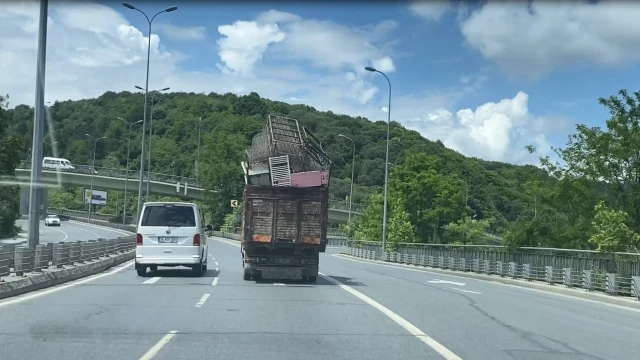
<point x="146" y="94"/>
<point x="466" y="195"/>
<point x="126" y="179"/>
<point x="353" y="168"/>
<point x="93" y="167"/>
<point x="33" y="235"/>
<point x="386" y="163"/>
<point x="198" y="156"/>
<point x="155" y="92"/>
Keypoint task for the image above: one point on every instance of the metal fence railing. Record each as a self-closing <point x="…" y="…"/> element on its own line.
<point x="119" y="173"/>
<point x="612" y="273"/>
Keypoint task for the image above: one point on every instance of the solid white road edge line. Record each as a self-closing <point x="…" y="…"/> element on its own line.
<point x="488" y="281"/>
<point x="202" y="300"/>
<point x="43" y="292"/>
<point x="121" y="232"/>
<point x="159" y="345"/>
<point x="439" y="348"/>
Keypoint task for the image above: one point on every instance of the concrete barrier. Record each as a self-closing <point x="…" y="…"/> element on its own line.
<point x="53" y="277"/>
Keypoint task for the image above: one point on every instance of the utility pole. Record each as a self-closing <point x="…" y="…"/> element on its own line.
<point x="33" y="236"/>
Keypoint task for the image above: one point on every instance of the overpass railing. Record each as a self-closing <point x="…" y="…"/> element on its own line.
<point x="611" y="273"/>
<point x="119" y="173"/>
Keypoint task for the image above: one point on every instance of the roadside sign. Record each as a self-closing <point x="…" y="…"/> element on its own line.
<point x="234" y="203"/>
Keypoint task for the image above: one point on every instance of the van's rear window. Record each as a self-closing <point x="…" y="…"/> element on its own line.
<point x="176" y="216"/>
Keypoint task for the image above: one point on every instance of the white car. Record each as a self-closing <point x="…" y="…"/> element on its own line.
<point x="171" y="234"/>
<point x="52" y="220"/>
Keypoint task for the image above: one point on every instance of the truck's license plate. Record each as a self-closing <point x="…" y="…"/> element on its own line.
<point x="167" y="240"/>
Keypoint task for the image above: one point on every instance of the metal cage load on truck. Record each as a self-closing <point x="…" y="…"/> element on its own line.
<point x="284" y="154"/>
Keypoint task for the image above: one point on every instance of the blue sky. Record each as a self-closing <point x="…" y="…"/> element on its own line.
<point x="486" y="80"/>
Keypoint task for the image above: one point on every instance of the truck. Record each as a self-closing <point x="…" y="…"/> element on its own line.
<point x="285" y="203"/>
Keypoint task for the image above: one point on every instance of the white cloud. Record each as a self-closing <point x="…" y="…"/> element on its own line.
<point x="494" y="131"/>
<point x="431" y="10"/>
<point x="531" y="41"/>
<point x="182" y="33"/>
<point x="245" y="43"/>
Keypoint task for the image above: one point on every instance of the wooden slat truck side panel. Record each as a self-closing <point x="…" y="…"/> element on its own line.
<point x="286" y="215"/>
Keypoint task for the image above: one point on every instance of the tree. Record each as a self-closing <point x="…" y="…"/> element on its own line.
<point x="222" y="173"/>
<point x="400" y="228"/>
<point x="11" y="146"/>
<point x="468" y="231"/>
<point x="611" y="157"/>
<point x="610" y="233"/>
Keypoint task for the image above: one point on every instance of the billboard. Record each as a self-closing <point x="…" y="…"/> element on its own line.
<point x="98" y="197"/>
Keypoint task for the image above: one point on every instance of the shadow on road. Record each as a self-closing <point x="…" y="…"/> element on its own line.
<point x="321" y="281"/>
<point x="181" y="272"/>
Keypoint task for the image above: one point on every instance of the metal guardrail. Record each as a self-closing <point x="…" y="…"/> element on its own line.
<point x="119" y="173"/>
<point x="552" y="266"/>
<point x="22" y="261"/>
<point x="341" y="205"/>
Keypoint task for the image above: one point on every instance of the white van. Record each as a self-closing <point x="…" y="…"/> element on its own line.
<point x="57" y="164"/>
<point x="171" y="234"/>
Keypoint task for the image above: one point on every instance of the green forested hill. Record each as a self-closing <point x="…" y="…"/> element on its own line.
<point x="495" y="189"/>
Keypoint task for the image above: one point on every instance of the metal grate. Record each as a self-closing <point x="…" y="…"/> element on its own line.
<point x="280" y="171"/>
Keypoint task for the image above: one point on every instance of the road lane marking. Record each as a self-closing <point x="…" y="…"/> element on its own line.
<point x="202" y="300"/>
<point x="216" y="263"/>
<point x="102" y="228"/>
<point x="419" y="334"/>
<point x="438" y="281"/>
<point x="217" y="270"/>
<point x="278" y="284"/>
<point x="34" y="295"/>
<point x="159" y="345"/>
<point x="63" y="233"/>
<point x="153" y="280"/>
<point x="486" y="281"/>
<point x="215" y="281"/>
<point x="468" y="291"/>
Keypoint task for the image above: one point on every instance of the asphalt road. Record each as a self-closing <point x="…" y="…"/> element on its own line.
<point x="357" y="311"/>
<point x="71" y="231"/>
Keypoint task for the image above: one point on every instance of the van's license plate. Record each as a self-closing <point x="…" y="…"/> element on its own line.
<point x="167" y="240"/>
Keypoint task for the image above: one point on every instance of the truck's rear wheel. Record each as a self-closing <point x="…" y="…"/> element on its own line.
<point x="247" y="276"/>
<point x="312" y="279"/>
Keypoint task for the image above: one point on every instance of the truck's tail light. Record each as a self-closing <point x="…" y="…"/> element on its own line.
<point x="138" y="239"/>
<point x="196" y="240"/>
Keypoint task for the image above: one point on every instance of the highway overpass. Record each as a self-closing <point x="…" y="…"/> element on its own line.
<point x="116" y="179"/>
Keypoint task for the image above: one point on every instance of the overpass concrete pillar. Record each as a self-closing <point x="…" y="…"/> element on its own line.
<point x="24" y="201"/>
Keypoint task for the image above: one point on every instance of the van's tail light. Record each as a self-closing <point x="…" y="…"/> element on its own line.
<point x="138" y="239"/>
<point x="196" y="240"/>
